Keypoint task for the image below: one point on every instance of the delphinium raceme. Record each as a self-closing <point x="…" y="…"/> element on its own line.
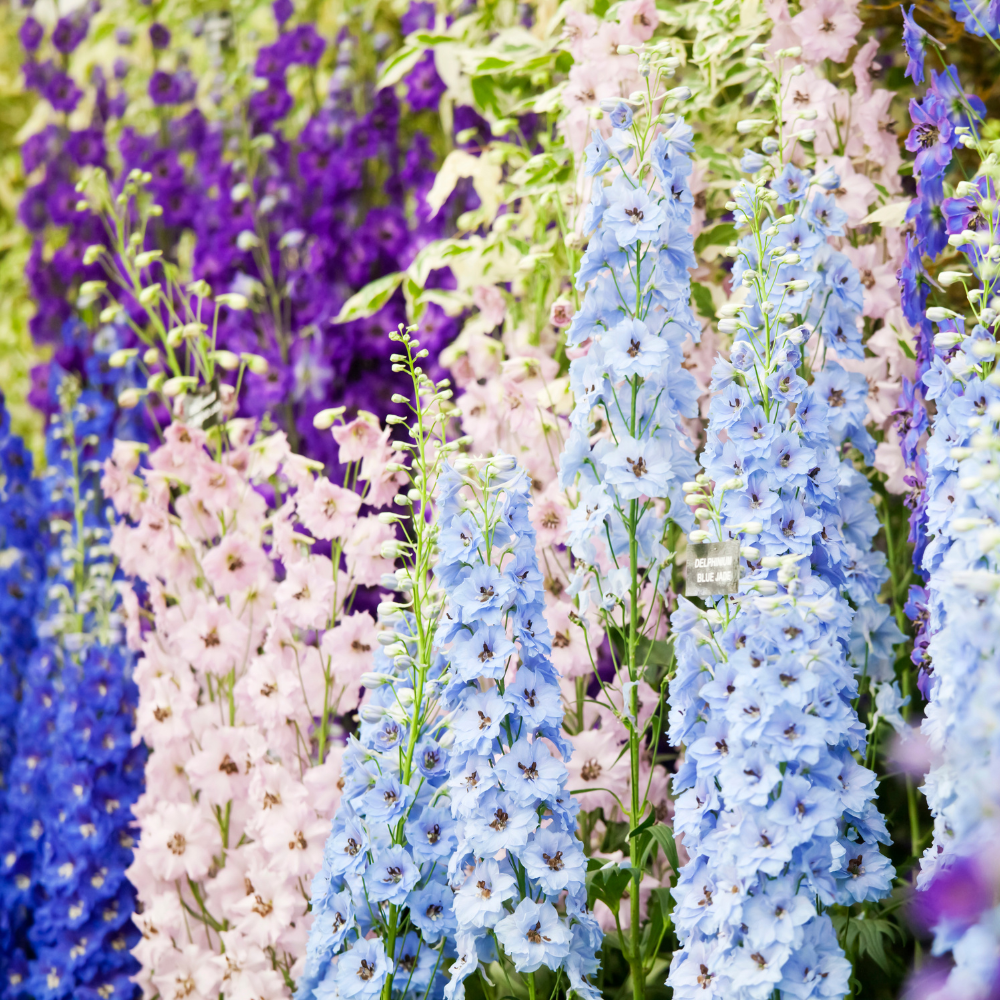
<point x="627" y="455"/>
<point x="962" y="567"/>
<point x="386" y="859"/>
<point x="22" y="579"/>
<point x="855" y="136"/>
<point x="455" y="841"/>
<point x="509" y="785"/>
<point x="938" y="223"/>
<point x="776" y="811"/>
<point x="67" y="839"/>
<point x="247" y="568"/>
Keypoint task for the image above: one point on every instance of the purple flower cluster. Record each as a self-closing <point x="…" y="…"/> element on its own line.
<point x="73" y="772"/>
<point x="22" y="576"/>
<point x="935" y="219"/>
<point x="297" y="227"/>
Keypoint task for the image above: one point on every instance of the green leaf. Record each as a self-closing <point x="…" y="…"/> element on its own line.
<point x="394" y="69"/>
<point x="643" y="826"/>
<point x="608" y="885"/>
<point x="429" y="41"/>
<point x="105" y="30"/>
<point x="720" y="235"/>
<point x="484" y="94"/>
<point x="703" y="300"/>
<point x="664" y="836"/>
<point x="370" y="299"/>
<point x="492" y="64"/>
<point x="658" y="911"/>
<point x="906" y="349"/>
<point x="664" y="899"/>
<point x="867" y="937"/>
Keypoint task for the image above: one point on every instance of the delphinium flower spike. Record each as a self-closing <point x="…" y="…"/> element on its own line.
<point x="22" y="580"/>
<point x="393" y="835"/>
<point x="67" y="839"/>
<point x="777" y="814"/>
<point x="939" y="118"/>
<point x="627" y="454"/>
<point x="508" y="780"/>
<point x="247" y="565"/>
<point x="962" y="567"/>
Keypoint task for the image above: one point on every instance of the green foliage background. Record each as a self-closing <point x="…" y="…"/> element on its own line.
<point x="17" y="354"/>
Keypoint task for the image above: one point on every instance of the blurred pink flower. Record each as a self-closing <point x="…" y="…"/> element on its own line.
<point x="235" y="564"/>
<point x="329" y="511"/>
<point x="357" y="438"/>
<point x="826" y="29"/>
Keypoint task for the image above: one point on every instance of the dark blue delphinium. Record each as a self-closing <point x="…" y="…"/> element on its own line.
<point x="65" y="837"/>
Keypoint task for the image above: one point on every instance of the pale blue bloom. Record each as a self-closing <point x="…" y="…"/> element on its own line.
<point x="361" y="970"/>
<point x="533" y="936"/>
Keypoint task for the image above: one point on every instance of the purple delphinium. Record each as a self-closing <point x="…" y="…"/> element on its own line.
<point x="420" y="17"/>
<point x="324" y="233"/>
<point x="978" y="16"/>
<point x="963" y="109"/>
<point x="164" y="88"/>
<point x="159" y="35"/>
<point x="270" y="105"/>
<point x="932" y="137"/>
<point x="305" y="45"/>
<point x="61" y="92"/>
<point x="69" y="32"/>
<point x="423" y="85"/>
<point x="914" y="43"/>
<point x="283" y="10"/>
<point x="86" y="147"/>
<point x="273" y="61"/>
<point x="31" y="34"/>
<point x="945" y="107"/>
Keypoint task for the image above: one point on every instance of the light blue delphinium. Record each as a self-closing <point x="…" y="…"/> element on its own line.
<point x="508" y="787"/>
<point x="777" y="816"/>
<point x="962" y="567"/>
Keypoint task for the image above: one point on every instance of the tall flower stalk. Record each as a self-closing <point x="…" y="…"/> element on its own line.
<point x="22" y="580"/>
<point x="391" y="840"/>
<point x="627" y="456"/>
<point x="961" y="658"/>
<point x="456" y="821"/>
<point x="67" y="838"/>
<point x="510" y="791"/>
<point x="777" y="814"/>
<point x="247" y="566"/>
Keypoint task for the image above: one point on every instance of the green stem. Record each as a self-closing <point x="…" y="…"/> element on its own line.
<point x="634" y="745"/>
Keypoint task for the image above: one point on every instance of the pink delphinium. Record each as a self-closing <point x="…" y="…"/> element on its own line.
<point x="598" y="72"/>
<point x="249" y="661"/>
<point x="826" y="29"/>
